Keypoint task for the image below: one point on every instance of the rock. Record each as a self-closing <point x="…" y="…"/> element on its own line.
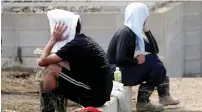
<point x="15" y="9"/>
<point x="50" y="8"/>
<point x="73" y="9"/>
<point x="94" y="9"/>
<point x="63" y="8"/>
<point x="26" y="9"/>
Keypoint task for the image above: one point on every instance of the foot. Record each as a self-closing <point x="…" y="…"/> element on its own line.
<point x="168" y="100"/>
<point x="144" y="107"/>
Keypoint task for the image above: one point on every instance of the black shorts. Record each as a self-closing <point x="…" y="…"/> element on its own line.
<point x="77" y="91"/>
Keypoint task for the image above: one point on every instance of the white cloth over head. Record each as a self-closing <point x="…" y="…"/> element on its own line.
<point x="135" y="16"/>
<point x="70" y="19"/>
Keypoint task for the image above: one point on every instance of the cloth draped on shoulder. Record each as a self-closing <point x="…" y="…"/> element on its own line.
<point x="136" y="14"/>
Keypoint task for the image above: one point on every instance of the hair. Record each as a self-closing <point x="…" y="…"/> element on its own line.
<point x="78" y="27"/>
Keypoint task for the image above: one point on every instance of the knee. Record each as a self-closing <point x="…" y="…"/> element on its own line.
<point x="162" y="71"/>
<point x="52" y="70"/>
<point x="160" y="74"/>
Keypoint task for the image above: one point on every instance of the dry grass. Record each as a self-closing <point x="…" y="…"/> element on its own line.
<point x="21" y="103"/>
<point x="26" y="103"/>
<point x="188" y="90"/>
<point x="20" y="82"/>
<point x="20" y="92"/>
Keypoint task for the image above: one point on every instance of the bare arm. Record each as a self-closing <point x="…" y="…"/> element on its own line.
<point x="48" y="58"/>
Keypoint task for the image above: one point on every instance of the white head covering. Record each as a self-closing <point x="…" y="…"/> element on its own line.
<point x="70" y="19"/>
<point x="135" y="15"/>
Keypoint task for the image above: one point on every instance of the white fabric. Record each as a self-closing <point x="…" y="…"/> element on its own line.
<point x="145" y="38"/>
<point x="118" y="92"/>
<point x="138" y="53"/>
<point x="70" y="19"/>
<point x="135" y="16"/>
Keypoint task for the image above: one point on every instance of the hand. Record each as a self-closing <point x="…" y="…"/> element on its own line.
<point x="145" y="27"/>
<point x="141" y="59"/>
<point x="58" y="31"/>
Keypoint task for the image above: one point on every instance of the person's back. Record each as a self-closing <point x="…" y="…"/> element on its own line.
<point x="145" y="69"/>
<point x="89" y="62"/>
<point x="111" y="51"/>
<point x="84" y="79"/>
<point x="122" y="39"/>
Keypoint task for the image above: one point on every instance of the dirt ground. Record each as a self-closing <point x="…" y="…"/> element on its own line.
<point x="19" y="93"/>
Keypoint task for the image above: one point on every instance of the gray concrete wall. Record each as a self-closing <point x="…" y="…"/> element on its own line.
<point x="176" y="27"/>
<point x="167" y="27"/>
<point x="30" y="31"/>
<point x="192" y="37"/>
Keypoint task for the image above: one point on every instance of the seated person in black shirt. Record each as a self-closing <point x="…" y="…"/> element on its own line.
<point x="139" y="69"/>
<point x="87" y="82"/>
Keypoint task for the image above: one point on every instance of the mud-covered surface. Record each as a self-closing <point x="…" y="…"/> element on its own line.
<point x="20" y="93"/>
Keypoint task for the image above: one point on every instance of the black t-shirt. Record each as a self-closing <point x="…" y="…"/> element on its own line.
<point x="89" y="62"/>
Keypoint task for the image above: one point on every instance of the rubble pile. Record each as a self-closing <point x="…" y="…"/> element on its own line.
<point x="42" y="9"/>
<point x="74" y="8"/>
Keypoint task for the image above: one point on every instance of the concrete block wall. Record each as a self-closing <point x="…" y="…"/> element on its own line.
<point x="172" y="27"/>
<point x="30" y="31"/>
<point x="166" y="26"/>
<point x="174" y="41"/>
<point x="25" y="31"/>
<point x="192" y="37"/>
<point x="99" y="26"/>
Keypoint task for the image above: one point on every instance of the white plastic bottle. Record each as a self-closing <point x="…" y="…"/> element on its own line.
<point x="117" y="75"/>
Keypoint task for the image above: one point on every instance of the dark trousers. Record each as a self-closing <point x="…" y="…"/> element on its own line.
<point x="152" y="72"/>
